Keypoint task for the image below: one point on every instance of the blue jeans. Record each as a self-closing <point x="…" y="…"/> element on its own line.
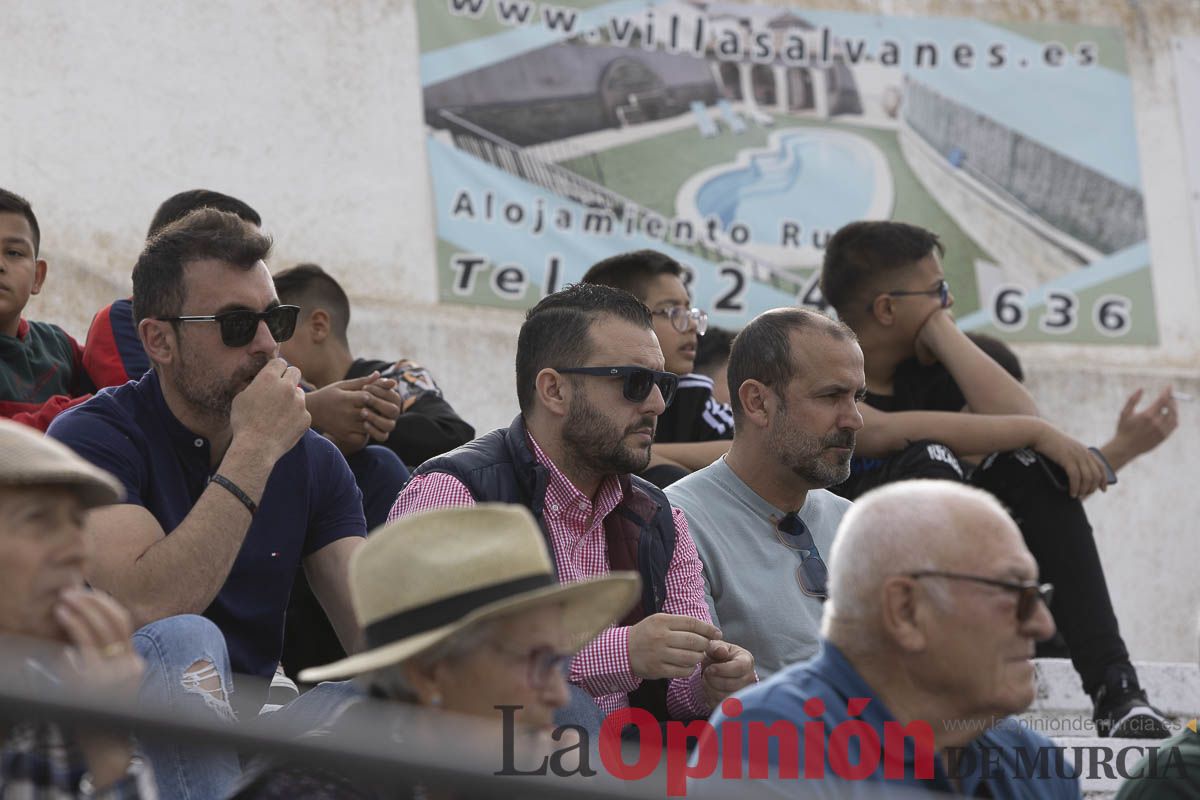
<point x="187" y="673"/>
<point x="313" y="709"/>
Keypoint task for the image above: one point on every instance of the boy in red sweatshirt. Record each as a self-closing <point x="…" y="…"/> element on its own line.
<point x="41" y="366"/>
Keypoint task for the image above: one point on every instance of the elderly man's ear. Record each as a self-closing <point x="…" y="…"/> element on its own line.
<point x="904" y="613"/>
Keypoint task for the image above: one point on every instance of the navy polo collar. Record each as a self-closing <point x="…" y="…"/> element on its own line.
<point x="182" y="439"/>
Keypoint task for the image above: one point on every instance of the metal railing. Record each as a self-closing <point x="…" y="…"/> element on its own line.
<point x="367" y="753"/>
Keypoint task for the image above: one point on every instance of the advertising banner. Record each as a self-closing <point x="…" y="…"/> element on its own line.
<point x="737" y="138"/>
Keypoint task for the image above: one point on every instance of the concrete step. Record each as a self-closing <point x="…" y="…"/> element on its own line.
<point x="1173" y="688"/>
<point x="1063" y="712"/>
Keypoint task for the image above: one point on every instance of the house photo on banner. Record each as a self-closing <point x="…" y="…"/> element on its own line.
<point x="738" y="138"/>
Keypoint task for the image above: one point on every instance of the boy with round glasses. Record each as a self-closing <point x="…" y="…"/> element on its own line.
<point x="695" y="429"/>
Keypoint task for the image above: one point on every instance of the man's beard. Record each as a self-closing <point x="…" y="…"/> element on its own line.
<point x="808" y="456"/>
<point x="211" y="397"/>
<point x="596" y="445"/>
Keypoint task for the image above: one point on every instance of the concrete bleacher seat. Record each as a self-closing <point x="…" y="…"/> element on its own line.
<point x="1063" y="712"/>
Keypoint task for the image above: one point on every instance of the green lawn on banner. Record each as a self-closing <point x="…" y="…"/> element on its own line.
<point x="651" y="172"/>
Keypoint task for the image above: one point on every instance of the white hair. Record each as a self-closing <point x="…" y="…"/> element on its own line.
<point x="391" y="680"/>
<point x="904" y="527"/>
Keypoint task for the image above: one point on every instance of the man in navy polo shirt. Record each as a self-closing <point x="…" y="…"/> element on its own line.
<point x="228" y="491"/>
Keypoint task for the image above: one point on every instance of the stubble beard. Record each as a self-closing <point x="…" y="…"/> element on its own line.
<point x="212" y="397"/>
<point x="807" y="455"/>
<point x="597" y="446"/>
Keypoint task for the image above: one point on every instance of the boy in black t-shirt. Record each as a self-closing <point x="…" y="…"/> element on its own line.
<point x="886" y="281"/>
<point x="695" y="430"/>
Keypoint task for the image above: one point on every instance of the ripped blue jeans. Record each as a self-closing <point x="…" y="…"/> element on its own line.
<point x="187" y="672"/>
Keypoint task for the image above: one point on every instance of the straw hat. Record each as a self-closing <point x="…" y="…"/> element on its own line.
<point x="424" y="578"/>
<point x="27" y="458"/>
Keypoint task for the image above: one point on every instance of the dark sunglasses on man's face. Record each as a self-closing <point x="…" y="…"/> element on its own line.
<point x="812" y="574"/>
<point x="238" y="327"/>
<point x="639" y="381"/>
<point x="1029" y="593"/>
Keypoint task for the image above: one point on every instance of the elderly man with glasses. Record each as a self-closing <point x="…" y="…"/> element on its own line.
<point x="590" y="386"/>
<point x="760" y="515"/>
<point x="935" y="607"/>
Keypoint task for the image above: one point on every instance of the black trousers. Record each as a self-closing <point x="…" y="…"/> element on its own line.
<point x="1056" y="531"/>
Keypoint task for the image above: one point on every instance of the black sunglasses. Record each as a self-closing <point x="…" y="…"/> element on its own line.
<point x="639" y="381"/>
<point x="238" y="327"/>
<point x="812" y="574"/>
<point x="1028" y="592"/>
<point x="942" y="290"/>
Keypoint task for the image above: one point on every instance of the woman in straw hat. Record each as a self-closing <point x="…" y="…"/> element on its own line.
<point x="460" y="612"/>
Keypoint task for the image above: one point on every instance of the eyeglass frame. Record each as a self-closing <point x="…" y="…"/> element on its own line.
<point x="942" y="290"/>
<point x="688" y="315"/>
<point x="540" y="663"/>
<point x="1026" y="591"/>
<point x="626" y="372"/>
<point x="260" y="316"/>
<point x="807" y="555"/>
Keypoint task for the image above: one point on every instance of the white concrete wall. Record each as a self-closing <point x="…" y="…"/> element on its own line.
<point x="310" y="110"/>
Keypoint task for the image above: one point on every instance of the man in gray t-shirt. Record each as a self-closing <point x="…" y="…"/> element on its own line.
<point x="761" y="518"/>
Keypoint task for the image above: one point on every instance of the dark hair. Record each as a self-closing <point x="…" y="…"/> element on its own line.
<point x="556" y="330"/>
<point x="12" y="203"/>
<point x="763" y="350"/>
<point x="713" y="347"/>
<point x="1000" y="353"/>
<point x="178" y="206"/>
<point x="204" y="233"/>
<point x="861" y="252"/>
<point x="632" y="271"/>
<point x="310" y="287"/>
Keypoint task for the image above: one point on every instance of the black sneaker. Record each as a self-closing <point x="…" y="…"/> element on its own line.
<point x="1122" y="710"/>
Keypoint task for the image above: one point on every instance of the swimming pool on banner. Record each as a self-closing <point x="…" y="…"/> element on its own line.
<point x="805" y="182"/>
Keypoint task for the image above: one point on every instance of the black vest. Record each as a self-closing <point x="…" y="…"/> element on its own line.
<point x="499" y="467"/>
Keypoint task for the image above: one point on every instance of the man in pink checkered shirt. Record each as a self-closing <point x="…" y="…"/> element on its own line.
<point x="590" y="387"/>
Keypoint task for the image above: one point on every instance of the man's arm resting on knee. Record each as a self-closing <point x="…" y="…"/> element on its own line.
<point x="155" y="575"/>
<point x="328" y="572"/>
<point x="885" y="433"/>
<point x="987" y="387"/>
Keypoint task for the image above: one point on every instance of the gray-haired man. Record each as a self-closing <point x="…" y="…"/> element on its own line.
<point x="760" y="515"/>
